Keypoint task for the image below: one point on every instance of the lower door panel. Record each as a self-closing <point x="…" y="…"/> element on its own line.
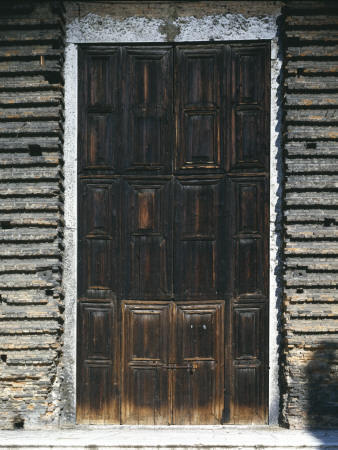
<point x="173" y="363"/>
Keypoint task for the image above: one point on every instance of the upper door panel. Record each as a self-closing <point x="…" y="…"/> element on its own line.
<point x="249" y="130"/>
<point x="99" y="81"/>
<point x="147" y="98"/>
<point x="200" y="107"/>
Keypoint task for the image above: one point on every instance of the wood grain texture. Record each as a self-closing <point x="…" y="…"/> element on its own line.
<point x="174" y="220"/>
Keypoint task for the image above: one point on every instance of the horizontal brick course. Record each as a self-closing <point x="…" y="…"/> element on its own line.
<point x="31" y="133"/>
<point x="310" y="311"/>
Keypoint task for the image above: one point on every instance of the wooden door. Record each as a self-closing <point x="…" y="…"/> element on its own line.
<point x="164" y="381"/>
<point x="173" y="234"/>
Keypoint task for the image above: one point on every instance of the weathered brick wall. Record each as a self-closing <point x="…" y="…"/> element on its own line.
<point x="310" y="370"/>
<point x="31" y="117"/>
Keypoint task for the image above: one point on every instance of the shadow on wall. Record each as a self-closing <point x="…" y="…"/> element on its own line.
<point x="322" y="379"/>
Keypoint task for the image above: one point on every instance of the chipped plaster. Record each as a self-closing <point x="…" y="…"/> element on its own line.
<point x="106" y="29"/>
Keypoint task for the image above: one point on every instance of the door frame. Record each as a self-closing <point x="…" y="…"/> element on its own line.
<point x="94" y="35"/>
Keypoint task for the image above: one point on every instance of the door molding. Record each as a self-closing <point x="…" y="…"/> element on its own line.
<point x="201" y="33"/>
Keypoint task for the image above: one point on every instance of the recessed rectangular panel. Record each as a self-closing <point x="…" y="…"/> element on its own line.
<point x="248" y="213"/>
<point x="97" y="264"/>
<point x="100" y="328"/>
<point x="98" y="87"/>
<point x="147" y="204"/>
<point x="146" y="209"/>
<point x="146" y="137"/>
<point x="152" y="255"/>
<point x="198" y="268"/>
<point x="100" y="203"/>
<point x="100" y="82"/>
<point x="98" y="252"/>
<point x="197" y="399"/>
<point x="249" y="276"/>
<point x="201" y="138"/>
<point x="246" y="332"/>
<point x="198" y="325"/>
<point x="249" y="89"/>
<point x="199" y="146"/>
<point x="199" y="210"/>
<point x="99" y="144"/>
<point x="200" y="69"/>
<point x="98" y="392"/>
<point x="95" y="402"/>
<point x="145" y="399"/>
<point x="97" y="325"/>
<point x="146" y="81"/>
<point x="201" y="80"/>
<point x="145" y="326"/>
<point x="249" y="68"/>
<point x="249" y="144"/>
<point x="99" y="209"/>
<point x="199" y="336"/>
<point x="247" y="402"/>
<point x="99" y="78"/>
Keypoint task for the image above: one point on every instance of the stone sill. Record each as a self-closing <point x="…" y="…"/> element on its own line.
<point x="173" y="437"/>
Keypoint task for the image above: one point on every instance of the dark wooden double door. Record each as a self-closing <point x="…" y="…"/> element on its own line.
<point x="173" y="234"/>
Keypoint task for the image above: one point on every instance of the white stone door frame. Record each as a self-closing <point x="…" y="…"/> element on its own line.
<point x="97" y="29"/>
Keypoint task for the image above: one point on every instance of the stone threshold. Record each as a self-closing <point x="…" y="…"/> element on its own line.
<point x="173" y="437"/>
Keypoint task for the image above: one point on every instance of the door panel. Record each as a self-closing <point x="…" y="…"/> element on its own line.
<point x="248" y="225"/>
<point x="98" y="239"/>
<point x="147" y="239"/>
<point x="199" y="244"/>
<point x="173" y="238"/>
<point x="98" y="115"/>
<point x="145" y="350"/>
<point x="147" y="108"/>
<point x="198" y="396"/>
<point x="95" y="363"/>
<point x="249" y="142"/>
<point x="200" y="107"/>
<point x="250" y="362"/>
<point x="248" y="257"/>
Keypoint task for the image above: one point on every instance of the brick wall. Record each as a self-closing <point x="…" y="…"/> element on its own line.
<point x="310" y="325"/>
<point x="31" y="117"/>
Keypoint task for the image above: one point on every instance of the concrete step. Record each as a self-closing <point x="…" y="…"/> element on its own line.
<point x="163" y="438"/>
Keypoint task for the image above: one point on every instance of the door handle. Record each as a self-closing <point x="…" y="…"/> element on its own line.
<point x="191" y="367"/>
